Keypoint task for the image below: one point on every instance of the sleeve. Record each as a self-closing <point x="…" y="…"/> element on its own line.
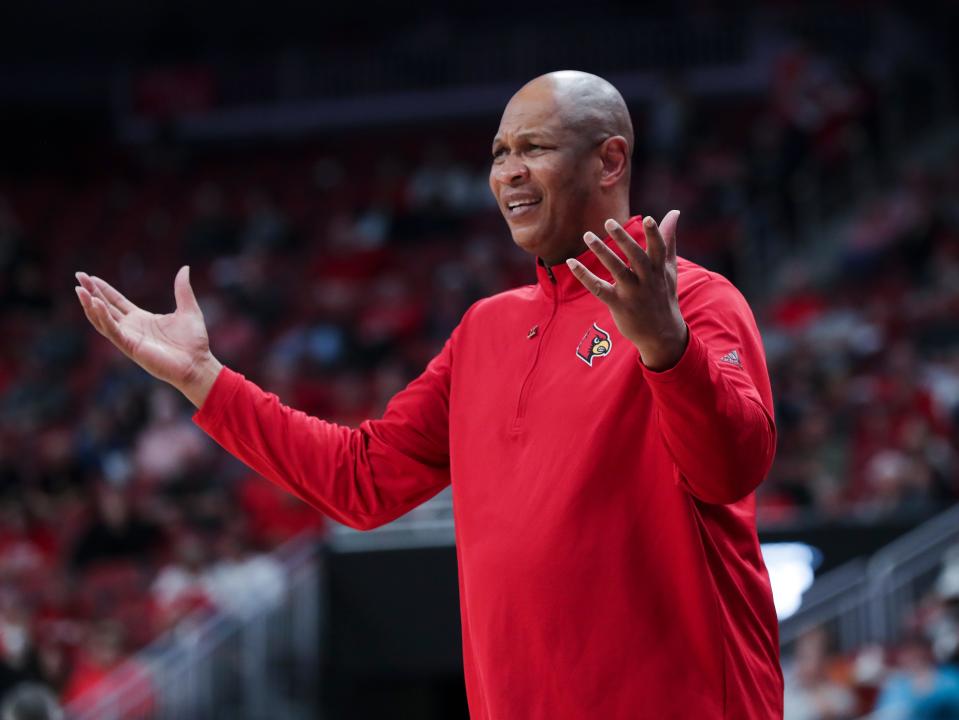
<point x="362" y="477"/>
<point x="714" y="406"/>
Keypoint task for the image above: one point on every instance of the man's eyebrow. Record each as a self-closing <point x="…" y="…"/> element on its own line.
<point x="525" y="135"/>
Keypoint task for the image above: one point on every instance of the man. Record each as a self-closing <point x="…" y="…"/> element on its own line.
<point x="602" y="466"/>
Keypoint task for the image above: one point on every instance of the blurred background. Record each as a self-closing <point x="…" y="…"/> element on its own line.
<point x="323" y="170"/>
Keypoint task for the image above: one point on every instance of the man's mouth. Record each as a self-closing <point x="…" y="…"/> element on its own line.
<point x="520" y="207"/>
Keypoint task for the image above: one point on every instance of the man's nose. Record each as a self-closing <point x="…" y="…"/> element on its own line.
<point x="512" y="171"/>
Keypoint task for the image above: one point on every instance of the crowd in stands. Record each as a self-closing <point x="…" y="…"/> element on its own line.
<point x="918" y="677"/>
<point x="865" y="368"/>
<point x="331" y="270"/>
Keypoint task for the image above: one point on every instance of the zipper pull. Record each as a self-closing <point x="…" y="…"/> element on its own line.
<point x="548" y="269"/>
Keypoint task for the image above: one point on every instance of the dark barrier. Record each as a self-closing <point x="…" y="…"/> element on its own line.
<point x="842" y="540"/>
<point x="394" y="646"/>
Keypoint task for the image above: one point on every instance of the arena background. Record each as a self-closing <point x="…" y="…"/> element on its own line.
<point x="323" y="171"/>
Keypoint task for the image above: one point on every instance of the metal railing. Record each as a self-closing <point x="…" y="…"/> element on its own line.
<point x="262" y="666"/>
<point x="905" y="569"/>
<point x="837" y="602"/>
<point x="867" y="601"/>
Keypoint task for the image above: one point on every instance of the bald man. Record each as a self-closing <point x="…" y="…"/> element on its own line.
<point x="602" y="467"/>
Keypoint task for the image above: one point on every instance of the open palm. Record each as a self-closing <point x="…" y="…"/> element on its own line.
<point x="643" y="298"/>
<point x="170" y="347"/>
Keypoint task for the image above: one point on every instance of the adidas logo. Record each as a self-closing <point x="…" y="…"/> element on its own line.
<point x="732" y="357"/>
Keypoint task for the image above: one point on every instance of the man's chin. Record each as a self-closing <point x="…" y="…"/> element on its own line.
<point x="527" y="240"/>
<point x="545" y="245"/>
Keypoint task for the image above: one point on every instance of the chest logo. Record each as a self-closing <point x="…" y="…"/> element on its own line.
<point x="596" y="343"/>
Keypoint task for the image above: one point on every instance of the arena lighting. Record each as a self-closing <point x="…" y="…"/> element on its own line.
<point x="791" y="567"/>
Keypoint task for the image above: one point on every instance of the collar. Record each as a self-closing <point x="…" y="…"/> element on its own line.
<point x="559" y="282"/>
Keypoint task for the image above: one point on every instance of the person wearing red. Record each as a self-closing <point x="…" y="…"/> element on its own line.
<point x="603" y="431"/>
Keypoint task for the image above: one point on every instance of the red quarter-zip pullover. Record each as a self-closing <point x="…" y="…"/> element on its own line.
<point x="605" y="523"/>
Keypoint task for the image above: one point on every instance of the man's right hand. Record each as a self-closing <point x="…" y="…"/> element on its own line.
<point x="173" y="347"/>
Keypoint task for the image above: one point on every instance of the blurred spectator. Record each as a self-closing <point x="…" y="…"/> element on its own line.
<point x="18" y="657"/>
<point x="918" y="689"/>
<point x="25" y="546"/>
<point x="266" y="228"/>
<point x="241" y="581"/>
<point x="30" y="701"/>
<point x="940" y="612"/>
<point x="440" y="184"/>
<point x="213" y="232"/>
<point x="101" y="669"/>
<point x="667" y="133"/>
<point x="117" y="533"/>
<point x="811" y="694"/>
<point x="180" y="590"/>
<point x="170" y="444"/>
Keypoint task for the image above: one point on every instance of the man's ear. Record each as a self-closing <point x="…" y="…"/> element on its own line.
<point x="614" y="153"/>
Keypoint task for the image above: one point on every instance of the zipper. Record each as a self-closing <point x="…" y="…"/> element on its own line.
<point x="543" y="331"/>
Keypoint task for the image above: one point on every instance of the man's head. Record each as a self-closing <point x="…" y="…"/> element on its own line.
<point x="561" y="162"/>
<point x="30" y="701"/>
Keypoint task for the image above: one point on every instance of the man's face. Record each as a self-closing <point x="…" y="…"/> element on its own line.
<point x="541" y="176"/>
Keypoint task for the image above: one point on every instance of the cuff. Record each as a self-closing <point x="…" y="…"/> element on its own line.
<point x="690" y="364"/>
<point x="218" y="399"/>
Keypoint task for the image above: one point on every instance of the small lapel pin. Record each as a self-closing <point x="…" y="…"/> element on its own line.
<point x="532" y="332"/>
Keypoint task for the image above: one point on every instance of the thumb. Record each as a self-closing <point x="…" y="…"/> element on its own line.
<point x="668" y="229"/>
<point x="183" y="292"/>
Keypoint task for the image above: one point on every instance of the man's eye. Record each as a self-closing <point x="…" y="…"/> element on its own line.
<point x="498" y="154"/>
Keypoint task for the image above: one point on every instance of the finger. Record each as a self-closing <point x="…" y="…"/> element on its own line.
<point x="91" y="287"/>
<point x="668" y="230"/>
<point x="112" y="295"/>
<point x="610" y="260"/>
<point x="99" y="316"/>
<point x="599" y="287"/>
<point x="637" y="257"/>
<point x="183" y="292"/>
<point x="86" y="300"/>
<point x="108" y="326"/>
<point x="95" y="309"/>
<point x="114" y="313"/>
<point x="86" y="282"/>
<point x="655" y="245"/>
<point x="83" y="296"/>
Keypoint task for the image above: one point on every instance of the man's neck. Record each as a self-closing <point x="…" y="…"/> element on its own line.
<point x="595" y="225"/>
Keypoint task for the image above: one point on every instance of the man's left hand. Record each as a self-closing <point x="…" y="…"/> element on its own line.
<point x="642" y="298"/>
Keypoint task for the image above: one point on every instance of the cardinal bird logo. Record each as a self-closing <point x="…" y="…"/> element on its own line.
<point x="596" y="343"/>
